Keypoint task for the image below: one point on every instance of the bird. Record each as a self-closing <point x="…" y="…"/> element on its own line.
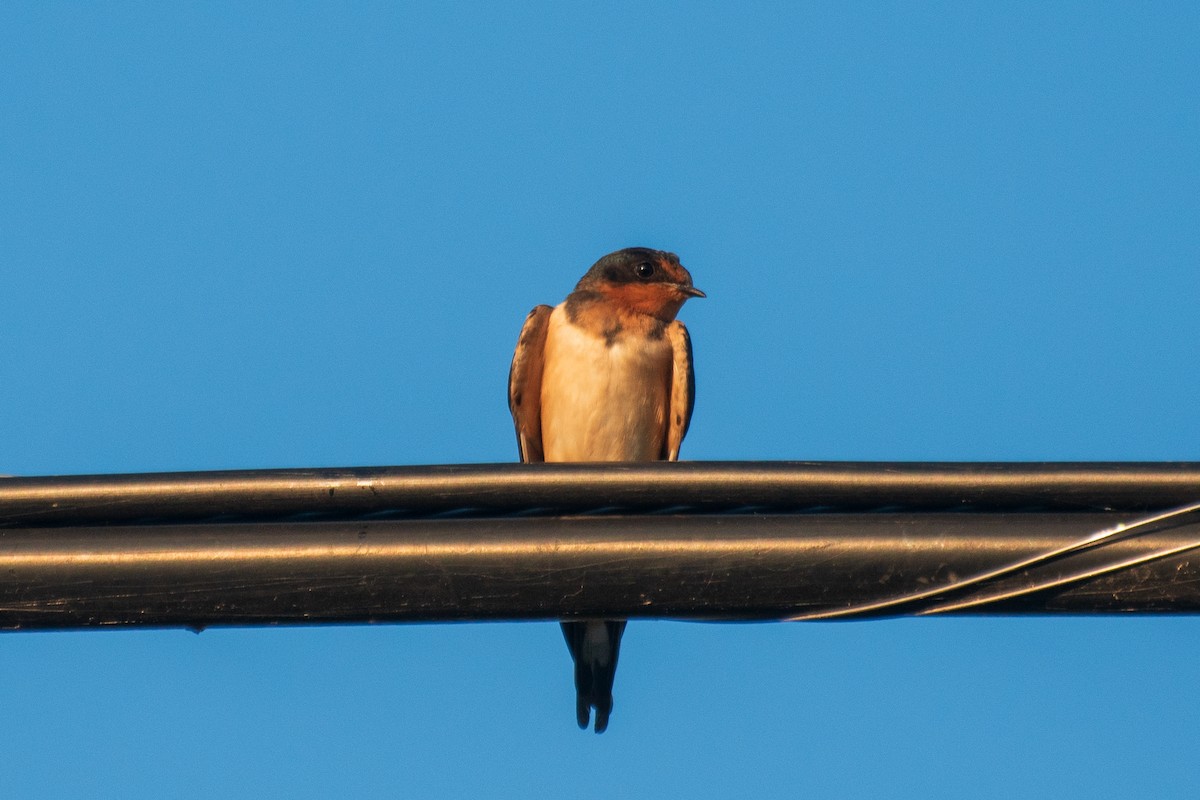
<point x="606" y="375"/>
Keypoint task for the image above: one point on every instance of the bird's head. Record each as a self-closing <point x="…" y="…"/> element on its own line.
<point x="642" y="280"/>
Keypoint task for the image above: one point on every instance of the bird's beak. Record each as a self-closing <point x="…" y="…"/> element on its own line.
<point x="692" y="291"/>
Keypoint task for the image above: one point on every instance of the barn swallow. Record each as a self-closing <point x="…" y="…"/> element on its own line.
<point x="606" y="375"/>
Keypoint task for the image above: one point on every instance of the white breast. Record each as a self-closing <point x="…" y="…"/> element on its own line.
<point x="601" y="402"/>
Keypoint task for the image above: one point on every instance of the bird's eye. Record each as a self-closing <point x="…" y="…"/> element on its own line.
<point x="645" y="270"/>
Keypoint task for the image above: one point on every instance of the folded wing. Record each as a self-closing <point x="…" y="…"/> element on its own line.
<point x="683" y="389"/>
<point x="525" y="384"/>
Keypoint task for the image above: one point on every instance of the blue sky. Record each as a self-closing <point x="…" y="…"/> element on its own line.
<point x="285" y="235"/>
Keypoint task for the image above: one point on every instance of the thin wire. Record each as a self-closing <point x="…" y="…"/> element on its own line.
<point x="998" y="596"/>
<point x="1092" y="541"/>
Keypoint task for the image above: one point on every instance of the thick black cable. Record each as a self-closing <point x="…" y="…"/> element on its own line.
<point x="500" y="489"/>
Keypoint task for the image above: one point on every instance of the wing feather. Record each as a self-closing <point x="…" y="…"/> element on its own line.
<point x="525" y="384"/>
<point x="683" y="389"/>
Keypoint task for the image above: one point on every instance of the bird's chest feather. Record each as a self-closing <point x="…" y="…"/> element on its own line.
<point x="603" y="398"/>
